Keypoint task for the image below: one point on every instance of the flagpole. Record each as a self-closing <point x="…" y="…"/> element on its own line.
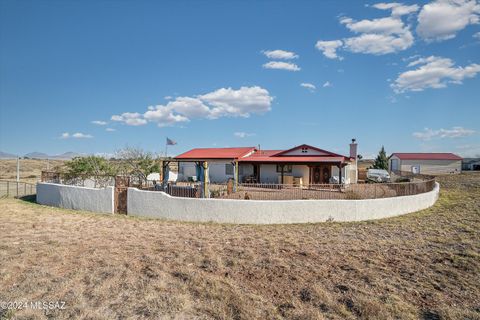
<point x="166" y="147"/>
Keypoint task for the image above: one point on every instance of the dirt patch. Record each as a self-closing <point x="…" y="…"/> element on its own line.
<point x="419" y="266"/>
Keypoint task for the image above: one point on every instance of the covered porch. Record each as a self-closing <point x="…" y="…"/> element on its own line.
<point x="292" y="173"/>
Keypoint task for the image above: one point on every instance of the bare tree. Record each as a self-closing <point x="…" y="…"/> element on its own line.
<point x="136" y="162"/>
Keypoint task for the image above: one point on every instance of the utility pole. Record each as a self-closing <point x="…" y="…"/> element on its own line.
<point x="18" y="168"/>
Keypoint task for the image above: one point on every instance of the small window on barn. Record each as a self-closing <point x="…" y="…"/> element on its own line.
<point x="229" y="169"/>
<point x="286" y="168"/>
<point x="304" y="150"/>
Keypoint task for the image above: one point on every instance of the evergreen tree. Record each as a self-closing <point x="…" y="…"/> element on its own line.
<point x="381" y="161"/>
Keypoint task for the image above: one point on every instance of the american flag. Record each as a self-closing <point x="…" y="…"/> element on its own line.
<point x="170" y="142"/>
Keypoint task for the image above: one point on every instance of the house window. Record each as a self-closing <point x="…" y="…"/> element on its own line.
<point x="286" y="168"/>
<point x="304" y="150"/>
<point x="229" y="169"/>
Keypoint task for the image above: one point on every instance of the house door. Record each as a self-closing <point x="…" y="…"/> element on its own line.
<point x="394" y="165"/>
<point x="320" y="174"/>
<point x="316" y="175"/>
<point x="256" y="172"/>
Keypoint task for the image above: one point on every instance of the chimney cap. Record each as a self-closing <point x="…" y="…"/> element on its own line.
<point x="354" y="140"/>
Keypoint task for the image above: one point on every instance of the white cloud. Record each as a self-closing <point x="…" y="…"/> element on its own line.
<point x="189" y="107"/>
<point x="243" y="134"/>
<point x="387" y="25"/>
<point x="476" y="35"/>
<point x="442" y="19"/>
<point x="454" y="132"/>
<point x="327" y="84"/>
<point x="379" y="44"/>
<point x="224" y="102"/>
<point x="309" y="86"/>
<point x="168" y="97"/>
<point x="376" y="36"/>
<point x="164" y="116"/>
<point x="329" y="48"/>
<point x="281" y="65"/>
<point x="433" y="72"/>
<point x="76" y="135"/>
<point x="100" y="123"/>
<point x="398" y="9"/>
<point x="280" y="54"/>
<point x="110" y="129"/>
<point x="130" y="118"/>
<point x="234" y="103"/>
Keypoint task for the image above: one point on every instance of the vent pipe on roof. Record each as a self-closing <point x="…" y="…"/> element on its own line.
<point x="353" y="149"/>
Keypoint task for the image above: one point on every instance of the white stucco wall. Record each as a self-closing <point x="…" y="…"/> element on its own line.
<point x="268" y="173"/>
<point x="161" y="205"/>
<point x="73" y="197"/>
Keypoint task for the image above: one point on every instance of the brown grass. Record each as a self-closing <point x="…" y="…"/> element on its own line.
<point x="419" y="266"/>
<point x="30" y="169"/>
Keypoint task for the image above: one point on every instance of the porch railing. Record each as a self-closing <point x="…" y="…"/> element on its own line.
<point x="259" y="191"/>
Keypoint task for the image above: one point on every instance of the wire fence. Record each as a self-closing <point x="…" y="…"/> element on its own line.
<point x="16" y="189"/>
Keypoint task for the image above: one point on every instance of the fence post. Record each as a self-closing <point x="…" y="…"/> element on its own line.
<point x="17" y="189"/>
<point x="8" y="188"/>
<point x="24" y="189"/>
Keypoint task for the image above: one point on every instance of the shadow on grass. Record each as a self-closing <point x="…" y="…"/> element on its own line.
<point x="30" y="198"/>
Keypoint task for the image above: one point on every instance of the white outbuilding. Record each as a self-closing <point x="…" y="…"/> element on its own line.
<point x="425" y="163"/>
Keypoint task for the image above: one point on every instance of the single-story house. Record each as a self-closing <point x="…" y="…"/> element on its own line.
<point x="301" y="165"/>
<point x="471" y="164"/>
<point x="425" y="163"/>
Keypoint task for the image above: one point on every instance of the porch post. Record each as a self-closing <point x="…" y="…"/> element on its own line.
<point x="340" y="173"/>
<point x="282" y="170"/>
<point x="236" y="175"/>
<point x="205" y="179"/>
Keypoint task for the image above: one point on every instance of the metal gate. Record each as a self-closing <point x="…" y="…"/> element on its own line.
<point x="121" y="185"/>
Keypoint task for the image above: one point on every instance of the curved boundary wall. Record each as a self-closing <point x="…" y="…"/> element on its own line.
<point x="156" y="204"/>
<point x="74" y="197"/>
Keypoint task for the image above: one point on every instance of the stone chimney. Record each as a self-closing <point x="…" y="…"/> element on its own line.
<point x="353" y="149"/>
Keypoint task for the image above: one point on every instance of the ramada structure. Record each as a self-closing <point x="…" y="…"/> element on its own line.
<point x="300" y="165"/>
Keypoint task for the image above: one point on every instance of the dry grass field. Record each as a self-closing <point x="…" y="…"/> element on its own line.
<point x="424" y="265"/>
<point x="30" y="169"/>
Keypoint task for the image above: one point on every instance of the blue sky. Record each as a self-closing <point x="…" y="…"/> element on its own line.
<point x="230" y="73"/>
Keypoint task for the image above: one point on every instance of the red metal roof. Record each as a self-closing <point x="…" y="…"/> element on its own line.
<point x="251" y="154"/>
<point x="282" y="152"/>
<point x="426" y="156"/>
<point x="216" y="153"/>
<point x="292" y="159"/>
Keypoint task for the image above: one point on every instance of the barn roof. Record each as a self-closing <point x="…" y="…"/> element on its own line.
<point x="426" y="156"/>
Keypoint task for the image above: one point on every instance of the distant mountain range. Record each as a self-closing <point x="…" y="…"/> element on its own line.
<point x="41" y="155"/>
